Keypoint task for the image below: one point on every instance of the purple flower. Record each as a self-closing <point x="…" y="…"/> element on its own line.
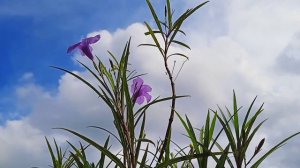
<point x="84" y="46"/>
<point x="140" y="91"/>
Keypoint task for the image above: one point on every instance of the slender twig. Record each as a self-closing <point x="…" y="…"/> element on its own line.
<point x="172" y="83"/>
<point x="180" y="69"/>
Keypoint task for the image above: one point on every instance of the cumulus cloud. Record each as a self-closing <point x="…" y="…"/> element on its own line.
<point x="289" y="59"/>
<point x="253" y="50"/>
<point x="20" y="140"/>
<point x="73" y="105"/>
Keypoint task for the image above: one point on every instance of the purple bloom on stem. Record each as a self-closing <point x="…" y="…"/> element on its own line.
<point x="84" y="46"/>
<point x="140" y="91"/>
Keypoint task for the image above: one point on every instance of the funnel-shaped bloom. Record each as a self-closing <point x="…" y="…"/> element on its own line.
<point x="84" y="46"/>
<point x="140" y="91"/>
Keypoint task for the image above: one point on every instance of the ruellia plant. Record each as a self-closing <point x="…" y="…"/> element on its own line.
<point x="128" y="97"/>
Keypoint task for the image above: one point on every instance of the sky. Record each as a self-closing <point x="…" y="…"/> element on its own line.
<point x="252" y="47"/>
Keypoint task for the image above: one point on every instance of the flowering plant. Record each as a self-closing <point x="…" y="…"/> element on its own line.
<point x="137" y="150"/>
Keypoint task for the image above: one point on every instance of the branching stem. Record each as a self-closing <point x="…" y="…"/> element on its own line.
<point x="172" y="83"/>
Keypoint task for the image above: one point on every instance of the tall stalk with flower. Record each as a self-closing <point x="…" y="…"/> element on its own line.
<point x="114" y="90"/>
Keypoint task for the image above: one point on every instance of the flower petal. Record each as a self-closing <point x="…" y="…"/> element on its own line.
<point x="146" y="88"/>
<point x="140" y="100"/>
<point x="86" y="50"/>
<point x="136" y="85"/>
<point x="140" y="91"/>
<point x="148" y="97"/>
<point x="138" y="81"/>
<point x="71" y="48"/>
<point x="92" y="40"/>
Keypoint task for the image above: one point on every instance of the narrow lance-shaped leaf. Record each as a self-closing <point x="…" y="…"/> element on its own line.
<point x="154" y="15"/>
<point x="221" y="162"/>
<point x="110" y="155"/>
<point x="187" y="157"/>
<point x="106" y="130"/>
<point x="102" y="158"/>
<point x="157" y="101"/>
<point x="259" y="161"/>
<point x="143" y="162"/>
<point x="88" y="84"/>
<point x="179" y="54"/>
<point x="181" y="44"/>
<point x="228" y="132"/>
<point x="141" y="135"/>
<point x="212" y="127"/>
<point x="154" y="38"/>
<point x="191" y="134"/>
<point x="99" y="80"/>
<point x="243" y="131"/>
<point x="51" y="153"/>
<point x="169" y="12"/>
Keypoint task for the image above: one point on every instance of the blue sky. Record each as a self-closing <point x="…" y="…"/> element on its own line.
<point x="36" y="34"/>
<point x="252" y="47"/>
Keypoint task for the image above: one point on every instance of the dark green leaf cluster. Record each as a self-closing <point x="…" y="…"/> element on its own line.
<point x="239" y="137"/>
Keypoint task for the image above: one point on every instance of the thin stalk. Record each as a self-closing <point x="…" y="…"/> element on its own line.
<point x="172" y="83"/>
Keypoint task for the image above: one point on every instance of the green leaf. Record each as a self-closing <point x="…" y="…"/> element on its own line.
<point x="97" y="146"/>
<point x="102" y="158"/>
<point x="77" y="160"/>
<point x="99" y="80"/>
<point x="206" y="139"/>
<point x="169" y="12"/>
<point x="181" y="43"/>
<point x="157" y="101"/>
<point x="154" y="31"/>
<point x="227" y="158"/>
<point x="179" y="54"/>
<point x="167" y="151"/>
<point x="243" y="131"/>
<point x="101" y="128"/>
<point x="141" y="135"/>
<point x="108" y="75"/>
<point x="181" y="19"/>
<point x="88" y="84"/>
<point x="185" y="15"/>
<point x="212" y="127"/>
<point x="114" y="58"/>
<point x="154" y="39"/>
<point x="221" y="162"/>
<point x="183" y="158"/>
<point x="146" y="140"/>
<point x="191" y="134"/>
<point x="206" y="131"/>
<point x="228" y="132"/>
<point x="235" y="116"/>
<point x="143" y="162"/>
<point x="51" y="153"/>
<point x="151" y="45"/>
<point x="250" y="123"/>
<point x="280" y="144"/>
<point x="154" y="16"/>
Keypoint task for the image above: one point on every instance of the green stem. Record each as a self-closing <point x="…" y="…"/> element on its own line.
<point x="172" y="83"/>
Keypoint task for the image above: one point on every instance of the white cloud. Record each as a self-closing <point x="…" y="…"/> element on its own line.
<point x="72" y="106"/>
<point x="252" y="50"/>
<point x="20" y="140"/>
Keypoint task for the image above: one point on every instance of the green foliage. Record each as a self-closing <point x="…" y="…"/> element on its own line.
<point x="241" y="136"/>
<point x="59" y="160"/>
